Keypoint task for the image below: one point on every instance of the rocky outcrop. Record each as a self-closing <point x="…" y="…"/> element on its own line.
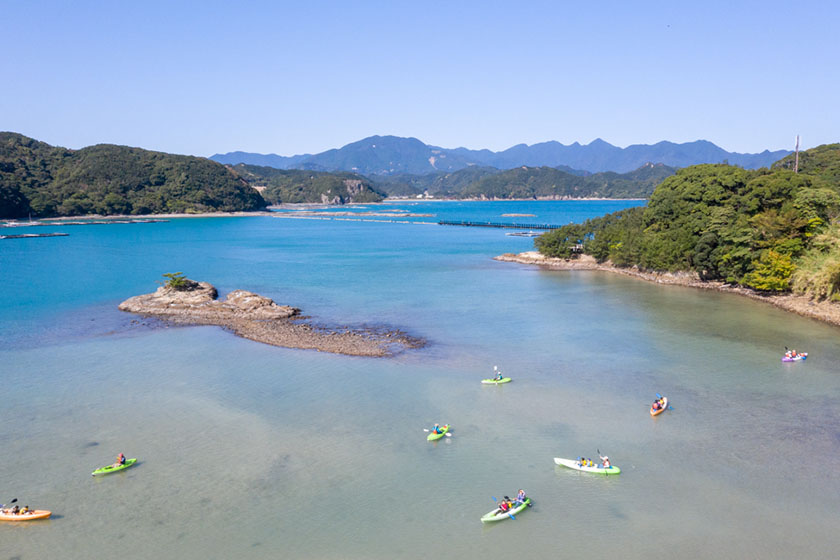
<point x="259" y="318"/>
<point x="198" y="299"/>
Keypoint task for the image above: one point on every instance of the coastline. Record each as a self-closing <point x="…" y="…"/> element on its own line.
<point x="821" y="310"/>
<point x="269" y="212"/>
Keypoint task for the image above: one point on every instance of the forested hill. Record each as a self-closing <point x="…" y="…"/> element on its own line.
<point x="769" y="229"/>
<point x="291" y="186"/>
<point x="42" y="181"/>
<point x="527" y="182"/>
<point x="550" y="183"/>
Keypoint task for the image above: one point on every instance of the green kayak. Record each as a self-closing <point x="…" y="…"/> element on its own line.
<point x="496" y="381"/>
<point x="497" y="515"/>
<point x="112" y="469"/>
<point x="433" y="436"/>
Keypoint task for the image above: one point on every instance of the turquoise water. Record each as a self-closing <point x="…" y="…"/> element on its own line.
<point x="253" y="451"/>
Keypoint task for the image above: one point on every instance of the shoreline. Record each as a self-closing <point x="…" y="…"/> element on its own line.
<point x="248" y="214"/>
<point x="820" y="310"/>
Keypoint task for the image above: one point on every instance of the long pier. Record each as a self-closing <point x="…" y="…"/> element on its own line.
<point x="499" y="225"/>
<point x="33" y="235"/>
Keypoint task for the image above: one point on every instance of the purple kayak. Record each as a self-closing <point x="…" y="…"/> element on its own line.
<point x="803" y="356"/>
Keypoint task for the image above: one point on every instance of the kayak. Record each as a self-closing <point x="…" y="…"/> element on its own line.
<point x="31" y="516"/>
<point x="574" y="464"/>
<point x="112" y="469"/>
<point x="433" y="436"/>
<point x="660" y="410"/>
<point x="798" y="357"/>
<point x="497" y="515"/>
<point x="496" y="381"/>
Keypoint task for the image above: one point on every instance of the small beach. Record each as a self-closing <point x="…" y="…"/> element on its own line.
<point x="821" y="310"/>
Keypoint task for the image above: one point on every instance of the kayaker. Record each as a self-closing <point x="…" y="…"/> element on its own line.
<point x="24" y="510"/>
<point x="15" y="510"/>
<point x="605" y="461"/>
<point x="437" y="429"/>
<point x="120" y="460"/>
<point x="503" y="506"/>
<point x="520" y="497"/>
<point x="498" y="376"/>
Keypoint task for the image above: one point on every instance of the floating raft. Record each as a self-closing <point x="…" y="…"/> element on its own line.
<point x="81" y="223"/>
<point x="499" y="225"/>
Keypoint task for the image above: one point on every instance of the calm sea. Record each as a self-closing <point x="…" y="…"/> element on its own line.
<point x="251" y="451"/>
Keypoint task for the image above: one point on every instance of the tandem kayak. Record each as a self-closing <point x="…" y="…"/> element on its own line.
<point x="496" y="381"/>
<point x="660" y="410"/>
<point x="433" y="436"/>
<point x="497" y="515"/>
<point x="797" y="358"/>
<point x="575" y="464"/>
<point x="112" y="469"/>
<point x="29" y="516"/>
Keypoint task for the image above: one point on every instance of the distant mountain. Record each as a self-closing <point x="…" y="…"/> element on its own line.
<point x="393" y="155"/>
<point x="269" y="160"/>
<point x="46" y="181"/>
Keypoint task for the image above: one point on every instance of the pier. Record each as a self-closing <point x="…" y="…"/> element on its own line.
<point x="500" y="225"/>
<point x="30" y="235"/>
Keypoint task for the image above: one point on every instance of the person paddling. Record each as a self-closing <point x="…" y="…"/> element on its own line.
<point x="437" y="429"/>
<point x="120" y="460"/>
<point x="605" y="461"/>
<point x="520" y="497"/>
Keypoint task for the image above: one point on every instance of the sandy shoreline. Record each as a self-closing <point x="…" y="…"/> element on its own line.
<point x="801" y="305"/>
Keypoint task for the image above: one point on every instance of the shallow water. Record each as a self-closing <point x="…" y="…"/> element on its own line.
<point x="257" y="452"/>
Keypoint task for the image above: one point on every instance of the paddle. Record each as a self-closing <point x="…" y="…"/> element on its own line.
<point x="658" y="396"/>
<point x="509" y="514"/>
<point x="10" y="503"/>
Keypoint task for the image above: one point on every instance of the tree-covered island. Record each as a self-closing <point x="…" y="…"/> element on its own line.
<point x="771" y="230"/>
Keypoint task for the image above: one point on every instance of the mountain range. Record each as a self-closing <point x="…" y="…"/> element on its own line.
<point x="394" y="155"/>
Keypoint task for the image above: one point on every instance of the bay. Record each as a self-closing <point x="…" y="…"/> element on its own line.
<point x="256" y="451"/>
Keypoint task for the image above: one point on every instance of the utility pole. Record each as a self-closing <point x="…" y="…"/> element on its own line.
<point x="796" y="159"/>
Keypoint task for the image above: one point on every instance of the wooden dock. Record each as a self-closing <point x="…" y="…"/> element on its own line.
<point x="500" y="225"/>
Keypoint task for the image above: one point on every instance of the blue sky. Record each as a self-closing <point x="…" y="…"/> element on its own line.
<point x="287" y="78"/>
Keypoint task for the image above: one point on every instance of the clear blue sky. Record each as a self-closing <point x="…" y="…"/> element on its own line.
<point x="301" y="77"/>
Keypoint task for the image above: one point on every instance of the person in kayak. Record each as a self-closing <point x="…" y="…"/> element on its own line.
<point x="437" y="429"/>
<point x="605" y="461"/>
<point x="504" y="506"/>
<point x="120" y="460"/>
<point x="520" y="497"/>
<point x="498" y="376"/>
<point x="15" y="510"/>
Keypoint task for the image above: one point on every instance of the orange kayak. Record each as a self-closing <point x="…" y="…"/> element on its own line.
<point x="30" y="516"/>
<point x="661" y="410"/>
